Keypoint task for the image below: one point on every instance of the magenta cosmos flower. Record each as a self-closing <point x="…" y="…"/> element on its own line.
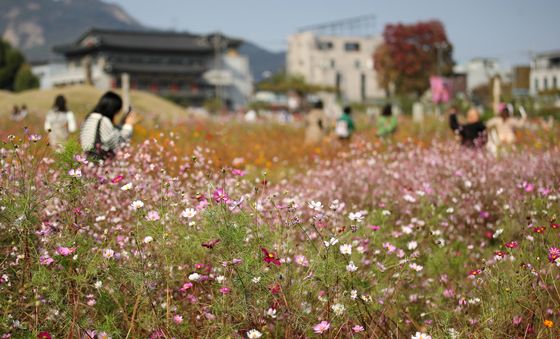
<point x="270" y="257"/>
<point x="512" y="244"/>
<point x="553" y="254"/>
<point x="321" y="327"/>
<point x="220" y="196"/>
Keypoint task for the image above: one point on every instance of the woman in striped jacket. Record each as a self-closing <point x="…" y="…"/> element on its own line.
<point x="99" y="136"/>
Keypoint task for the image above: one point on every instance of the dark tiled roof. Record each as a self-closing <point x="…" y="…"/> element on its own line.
<point x="164" y="41"/>
<point x="158" y="68"/>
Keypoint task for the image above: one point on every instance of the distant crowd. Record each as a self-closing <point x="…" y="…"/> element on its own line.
<point x="101" y="135"/>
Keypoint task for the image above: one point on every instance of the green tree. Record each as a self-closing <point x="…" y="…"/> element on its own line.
<point x="283" y="83"/>
<point x="13" y="69"/>
<point x="25" y="79"/>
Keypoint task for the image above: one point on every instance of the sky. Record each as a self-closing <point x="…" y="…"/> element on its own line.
<point x="510" y="30"/>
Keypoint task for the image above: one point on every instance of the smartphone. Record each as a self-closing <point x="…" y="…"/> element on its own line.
<point x="123" y="119"/>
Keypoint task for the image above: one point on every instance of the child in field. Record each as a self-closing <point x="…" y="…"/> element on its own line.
<point x="473" y="133"/>
<point x="315" y="124"/>
<point x="60" y="122"/>
<point x="345" y="125"/>
<point x="386" y="122"/>
<point x="99" y="137"/>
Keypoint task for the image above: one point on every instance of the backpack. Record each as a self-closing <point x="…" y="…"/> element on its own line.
<point x="98" y="153"/>
<point x="341" y="129"/>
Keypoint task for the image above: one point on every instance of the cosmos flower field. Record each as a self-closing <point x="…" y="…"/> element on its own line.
<point x="390" y="241"/>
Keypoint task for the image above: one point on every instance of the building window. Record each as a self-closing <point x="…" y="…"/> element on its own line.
<point x="363" y="86"/>
<point x="338" y="83"/>
<point x="325" y="45"/>
<point x="357" y="64"/>
<point x="545" y="83"/>
<point x="352" y="47"/>
<point x="333" y="63"/>
<point x="554" y="83"/>
<point x="536" y="84"/>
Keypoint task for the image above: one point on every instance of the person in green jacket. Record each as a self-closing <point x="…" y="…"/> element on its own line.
<point x="386" y="122"/>
<point x="345" y="125"/>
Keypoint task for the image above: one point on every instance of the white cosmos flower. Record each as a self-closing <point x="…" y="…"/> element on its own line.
<point x="75" y="173"/>
<point x="271" y="312"/>
<point x="416" y="267"/>
<point x="331" y="242"/>
<point x="412" y="245"/>
<point x="357" y="216"/>
<point x="409" y="198"/>
<point x="254" y="334"/>
<point x="98" y="284"/>
<point x="346" y="249"/>
<point x="194" y="277"/>
<point x="338" y="309"/>
<point x="108" y="253"/>
<point x="137" y="204"/>
<point x="126" y="187"/>
<point x="351" y="267"/>
<point x="420" y="335"/>
<point x="315" y="205"/>
<point x="188" y="213"/>
<point x="148" y="239"/>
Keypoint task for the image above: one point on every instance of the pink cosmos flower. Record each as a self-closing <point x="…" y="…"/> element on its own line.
<point x="45" y="260"/>
<point x="528" y="187"/>
<point x="517" y="320"/>
<point x="374" y="227"/>
<point x="321" y="327"/>
<point x="238" y="172"/>
<point x="186" y="286"/>
<point x="449" y="293"/>
<point x="220" y="196"/>
<point x="65" y="251"/>
<point x="357" y="328"/>
<point x="178" y="319"/>
<point x="117" y="179"/>
<point x="301" y="260"/>
<point x="152" y="216"/>
<point x="35" y="137"/>
<point x="225" y="290"/>
<point x="202" y="203"/>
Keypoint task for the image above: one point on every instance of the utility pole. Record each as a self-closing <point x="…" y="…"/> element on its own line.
<point x="217" y="41"/>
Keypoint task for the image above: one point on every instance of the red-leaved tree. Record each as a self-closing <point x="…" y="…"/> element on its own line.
<point x="412" y="53"/>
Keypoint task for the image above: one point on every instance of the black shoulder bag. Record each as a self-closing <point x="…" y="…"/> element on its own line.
<point x="98" y="153"/>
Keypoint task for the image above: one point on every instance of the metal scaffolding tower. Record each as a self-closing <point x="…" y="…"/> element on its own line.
<point x="363" y="25"/>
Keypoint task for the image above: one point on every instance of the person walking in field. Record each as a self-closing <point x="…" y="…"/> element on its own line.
<point x="386" y="122"/>
<point x="503" y="127"/>
<point x="345" y="125"/>
<point x="99" y="136"/>
<point x="60" y="122"/>
<point x="473" y="133"/>
<point x="315" y="124"/>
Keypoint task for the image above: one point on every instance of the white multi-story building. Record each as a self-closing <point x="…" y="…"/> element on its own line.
<point x="479" y="71"/>
<point x="342" y="62"/>
<point x="545" y="72"/>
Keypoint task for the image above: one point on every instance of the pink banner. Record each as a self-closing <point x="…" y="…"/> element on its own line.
<point x="442" y="89"/>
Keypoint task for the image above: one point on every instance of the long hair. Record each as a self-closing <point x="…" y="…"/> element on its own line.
<point x="109" y="105"/>
<point x="60" y="104"/>
<point x="387" y="110"/>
